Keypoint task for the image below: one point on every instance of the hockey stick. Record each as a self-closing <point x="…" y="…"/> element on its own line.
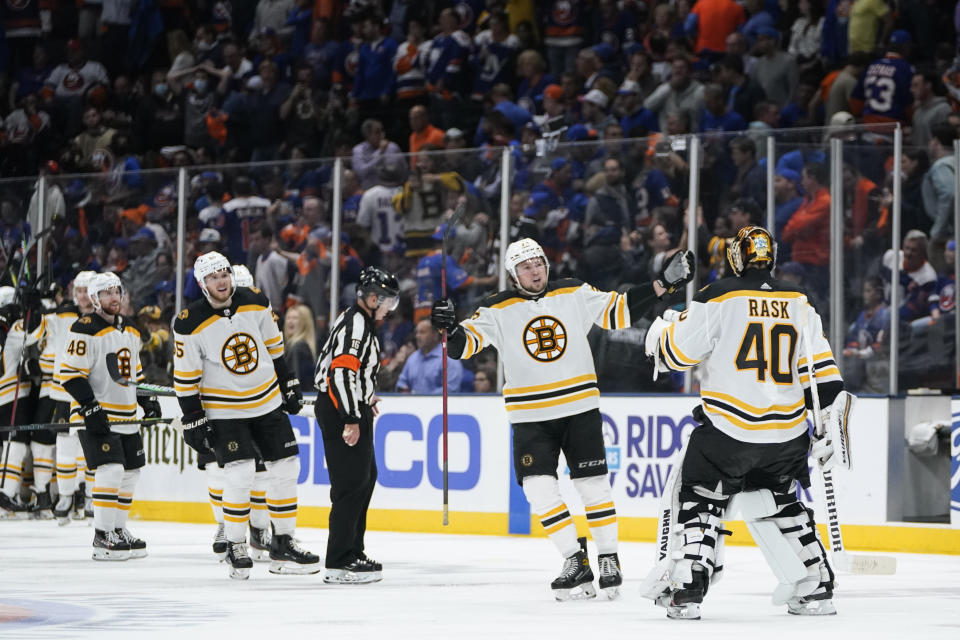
<point x="457" y="214"/>
<point x="844" y="561"/>
<point x="63" y="426"/>
<point x="143" y="388"/>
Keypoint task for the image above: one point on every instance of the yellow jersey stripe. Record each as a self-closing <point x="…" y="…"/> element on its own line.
<point x="523" y="406"/>
<point x="569" y="382"/>
<point x="250" y="307"/>
<point x="606" y="311"/>
<point x="246" y="393"/>
<point x="242" y="405"/>
<point x="766" y="426"/>
<point x="206" y="323"/>
<point x="749" y="408"/>
<point x="685" y="359"/>
<point x="600" y="507"/>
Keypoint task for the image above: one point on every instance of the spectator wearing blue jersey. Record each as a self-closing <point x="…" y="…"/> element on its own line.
<point x="788" y="195"/>
<point x="637" y="121"/>
<point x="759" y="19"/>
<point x="493" y="55"/>
<point x="447" y="60"/>
<point x="428" y="276"/>
<point x="751" y="179"/>
<point x="532" y="68"/>
<point x="865" y="347"/>
<point x="423" y="371"/>
<point x="374" y="80"/>
<point x="882" y="94"/>
<point x="715" y="117"/>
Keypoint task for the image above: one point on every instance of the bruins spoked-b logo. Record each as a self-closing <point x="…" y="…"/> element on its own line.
<point x="240" y="354"/>
<point x="545" y="338"/>
<point x="123" y="362"/>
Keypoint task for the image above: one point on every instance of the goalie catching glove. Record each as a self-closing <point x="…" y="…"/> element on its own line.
<point x="678" y="271"/>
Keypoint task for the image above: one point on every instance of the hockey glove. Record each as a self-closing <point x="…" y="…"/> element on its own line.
<point x="197" y="432"/>
<point x="94" y="419"/>
<point x="292" y="396"/>
<point x="150" y="406"/>
<point x="443" y="315"/>
<point x="678" y="271"/>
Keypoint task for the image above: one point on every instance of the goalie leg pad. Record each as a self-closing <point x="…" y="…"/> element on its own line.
<point x="785" y="532"/>
<point x="700" y="522"/>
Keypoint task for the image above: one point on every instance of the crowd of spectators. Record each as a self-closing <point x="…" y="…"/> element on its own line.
<point x="591" y="97"/>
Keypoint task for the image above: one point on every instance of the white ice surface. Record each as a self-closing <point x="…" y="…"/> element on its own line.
<point x="435" y="586"/>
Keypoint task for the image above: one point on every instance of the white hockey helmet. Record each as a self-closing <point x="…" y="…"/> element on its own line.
<point x="521" y="251"/>
<point x="7" y="296"/>
<point x="242" y="276"/>
<point x="208" y="263"/>
<point x="103" y="282"/>
<point x="82" y="279"/>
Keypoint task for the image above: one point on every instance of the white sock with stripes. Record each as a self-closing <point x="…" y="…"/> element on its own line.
<point x="67" y="448"/>
<point x="259" y="517"/>
<point x="215" y="489"/>
<point x="42" y="465"/>
<point x="601" y="514"/>
<point x="14" y="453"/>
<point x="282" y="494"/>
<point x="125" y="497"/>
<point x="106" y="490"/>
<point x="237" y="483"/>
<point x="543" y="494"/>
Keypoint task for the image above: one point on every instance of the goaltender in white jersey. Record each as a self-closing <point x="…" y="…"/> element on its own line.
<point x="539" y="329"/>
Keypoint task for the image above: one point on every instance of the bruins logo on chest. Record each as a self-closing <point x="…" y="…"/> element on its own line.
<point x="124" y="359"/>
<point x="545" y="338"/>
<point x="240" y="354"/>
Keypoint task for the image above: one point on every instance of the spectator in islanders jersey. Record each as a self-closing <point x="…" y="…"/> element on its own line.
<point x="493" y="56"/>
<point x="918" y="279"/>
<point x="882" y="94"/>
<point x="539" y="330"/>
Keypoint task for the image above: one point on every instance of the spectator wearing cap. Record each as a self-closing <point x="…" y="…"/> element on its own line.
<point x="272" y="270"/>
<point x="759" y="19"/>
<point x="775" y="70"/>
<point x="156" y="352"/>
<point x="555" y="114"/>
<point x="532" y="69"/>
<point x="502" y="97"/>
<point x="788" y="195"/>
<point x="265" y="111"/>
<point x="378" y="213"/>
<point x="883" y="93"/>
<point x="637" y="121"/>
<point x="937" y="189"/>
<point x="715" y="116"/>
<point x="563" y="32"/>
<point x="494" y="50"/>
<point x="372" y="152"/>
<point x="680" y="93"/>
<point x="593" y="110"/>
<point x="710" y="22"/>
<point x="69" y="83"/>
<point x="930" y="107"/>
<point x="374" y="79"/>
<point x="865" y="31"/>
<point x="141" y="275"/>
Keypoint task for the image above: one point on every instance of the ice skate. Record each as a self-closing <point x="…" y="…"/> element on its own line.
<point x="238" y="559"/>
<point x="356" y="572"/>
<point x="12" y="508"/>
<point x="62" y="510"/>
<point x="107" y="545"/>
<point x="816" y="604"/>
<point x="79" y="502"/>
<point x="88" y="508"/>
<point x="575" y="581"/>
<point x="220" y="544"/>
<point x="138" y="548"/>
<point x="376" y="567"/>
<point x="259" y="544"/>
<point x="608" y="564"/>
<point x="684" y="604"/>
<point x="43" y="508"/>
<point x="287" y="556"/>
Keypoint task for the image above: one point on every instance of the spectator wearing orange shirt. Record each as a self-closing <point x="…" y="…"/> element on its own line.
<point x="808" y="231"/>
<point x="421" y="131"/>
<point x="712" y="21"/>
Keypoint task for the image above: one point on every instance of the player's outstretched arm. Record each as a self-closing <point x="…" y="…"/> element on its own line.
<point x="443" y="316"/>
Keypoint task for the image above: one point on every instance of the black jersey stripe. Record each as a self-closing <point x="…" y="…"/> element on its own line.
<point x="549" y="394"/>
<point x="768" y="417"/>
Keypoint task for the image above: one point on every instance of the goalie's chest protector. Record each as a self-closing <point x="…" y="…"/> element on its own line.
<point x="543" y="344"/>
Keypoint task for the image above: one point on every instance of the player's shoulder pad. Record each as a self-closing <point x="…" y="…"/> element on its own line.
<point x="67" y="310"/>
<point x="89" y="325"/>
<point x="130" y="325"/>
<point x="192" y="316"/>
<point x="564" y="283"/>
<point x="495" y="299"/>
<point x="250" y="296"/>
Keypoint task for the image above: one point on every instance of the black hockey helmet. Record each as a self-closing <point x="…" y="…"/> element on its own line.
<point x="382" y="283"/>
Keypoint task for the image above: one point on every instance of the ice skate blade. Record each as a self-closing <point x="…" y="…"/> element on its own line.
<point x="611" y="593"/>
<point x="63" y="521"/>
<point x="105" y="555"/>
<point x="342" y="576"/>
<point x="259" y="555"/>
<point x="42" y="515"/>
<point x="220" y="555"/>
<point x="138" y="553"/>
<point x="584" y="591"/>
<point x="239" y="574"/>
<point x="812" y="608"/>
<point x="281" y="567"/>
<point x="684" y="612"/>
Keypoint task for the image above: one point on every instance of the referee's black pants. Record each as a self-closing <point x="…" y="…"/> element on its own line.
<point x="353" y="476"/>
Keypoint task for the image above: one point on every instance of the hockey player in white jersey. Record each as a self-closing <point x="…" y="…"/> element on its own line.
<point x="114" y="452"/>
<point x="752" y="441"/>
<point x="540" y="328"/>
<point x="69" y="456"/>
<point x="234" y="389"/>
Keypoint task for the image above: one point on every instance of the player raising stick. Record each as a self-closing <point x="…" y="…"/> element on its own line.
<point x="752" y="440"/>
<point x="233" y="387"/>
<point x="114" y="453"/>
<point x="540" y="330"/>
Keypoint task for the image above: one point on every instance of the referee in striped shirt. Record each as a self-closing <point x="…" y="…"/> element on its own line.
<point x="345" y="408"/>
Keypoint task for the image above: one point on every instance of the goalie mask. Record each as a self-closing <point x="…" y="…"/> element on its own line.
<point x="103" y="282"/>
<point x="753" y="245"/>
<point x="521" y="251"/>
<point x="82" y="281"/>
<point x="209" y="263"/>
<point x="242" y="276"/>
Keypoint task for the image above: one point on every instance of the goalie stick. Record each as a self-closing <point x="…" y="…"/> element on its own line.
<point x="843" y="560"/>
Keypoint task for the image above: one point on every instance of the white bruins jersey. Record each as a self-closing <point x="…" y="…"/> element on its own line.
<point x="543" y="344"/>
<point x="56" y="328"/>
<point x="90" y="339"/>
<point x="226" y="356"/>
<point x="745" y="334"/>
<point x="17" y="341"/>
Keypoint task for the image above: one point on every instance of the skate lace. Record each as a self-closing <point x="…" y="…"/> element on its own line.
<point x="608" y="567"/>
<point x="125" y="535"/>
<point x="296" y="548"/>
<point x="221" y="534"/>
<point x="239" y="550"/>
<point x="112" y="537"/>
<point x="570" y="566"/>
